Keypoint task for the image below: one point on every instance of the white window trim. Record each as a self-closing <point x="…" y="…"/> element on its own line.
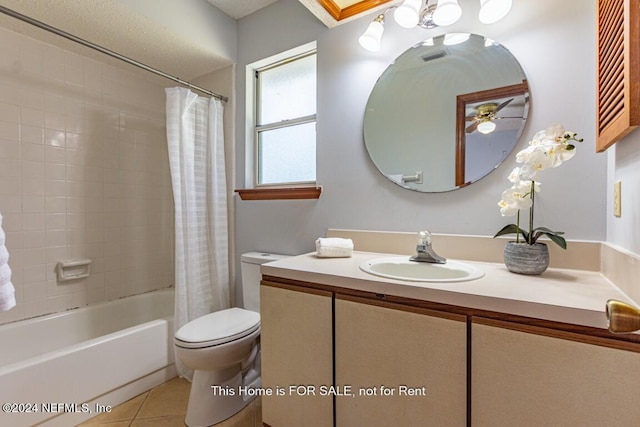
<point x="251" y="166"/>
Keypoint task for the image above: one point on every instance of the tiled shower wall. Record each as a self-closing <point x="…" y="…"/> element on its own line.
<point x="84" y="173"/>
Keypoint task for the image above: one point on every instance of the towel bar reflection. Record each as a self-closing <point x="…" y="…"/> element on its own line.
<point x="417" y="178"/>
<point x="72" y="270"/>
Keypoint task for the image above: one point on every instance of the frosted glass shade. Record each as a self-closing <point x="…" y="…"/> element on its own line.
<point x="447" y="12"/>
<point x="407" y="14"/>
<point x="493" y="10"/>
<point x="486" y="127"/>
<point x="371" y="38"/>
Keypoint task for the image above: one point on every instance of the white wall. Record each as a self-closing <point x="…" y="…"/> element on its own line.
<point x="555" y="44"/>
<point x="624" y="158"/>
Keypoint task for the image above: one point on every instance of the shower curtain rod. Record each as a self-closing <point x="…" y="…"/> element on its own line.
<point x="106" y="51"/>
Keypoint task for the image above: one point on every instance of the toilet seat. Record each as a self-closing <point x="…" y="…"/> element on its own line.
<point x="217" y="328"/>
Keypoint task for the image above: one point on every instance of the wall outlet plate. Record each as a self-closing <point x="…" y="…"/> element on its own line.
<point x="617" y="199"/>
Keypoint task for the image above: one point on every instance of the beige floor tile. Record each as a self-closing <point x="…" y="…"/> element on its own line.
<point x="170" y="398"/>
<point x="124" y="412"/>
<point x="165" y="421"/>
<point x="244" y="418"/>
<point x="166" y="406"/>
<point x="109" y="424"/>
<point x="258" y="412"/>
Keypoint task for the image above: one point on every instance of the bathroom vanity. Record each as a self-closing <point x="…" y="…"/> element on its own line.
<point x="341" y="347"/>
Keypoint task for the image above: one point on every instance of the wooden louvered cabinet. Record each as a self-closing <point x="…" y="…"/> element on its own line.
<point x="618" y="70"/>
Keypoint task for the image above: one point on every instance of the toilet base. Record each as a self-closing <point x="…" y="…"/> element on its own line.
<point x="209" y="406"/>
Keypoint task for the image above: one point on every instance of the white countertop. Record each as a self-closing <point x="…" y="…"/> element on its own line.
<point x="562" y="295"/>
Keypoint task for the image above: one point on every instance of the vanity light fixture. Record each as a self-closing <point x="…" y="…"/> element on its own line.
<point x="493" y="10"/>
<point x="448" y="12"/>
<point x="371" y="38"/>
<point x="411" y="14"/>
<point x="407" y="15"/>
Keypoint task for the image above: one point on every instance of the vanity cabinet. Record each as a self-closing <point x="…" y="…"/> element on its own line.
<point x="533" y="376"/>
<point x="392" y="361"/>
<point x="297" y="350"/>
<point x="393" y="364"/>
<point x="406" y="366"/>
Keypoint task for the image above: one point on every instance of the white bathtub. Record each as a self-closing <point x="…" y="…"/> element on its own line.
<point x="63" y="365"/>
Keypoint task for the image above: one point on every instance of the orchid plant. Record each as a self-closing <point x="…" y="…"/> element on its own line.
<point x="548" y="149"/>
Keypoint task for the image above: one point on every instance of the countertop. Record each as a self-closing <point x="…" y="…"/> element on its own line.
<point x="562" y="295"/>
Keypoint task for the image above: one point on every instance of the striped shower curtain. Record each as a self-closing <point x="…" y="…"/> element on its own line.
<point x="196" y="156"/>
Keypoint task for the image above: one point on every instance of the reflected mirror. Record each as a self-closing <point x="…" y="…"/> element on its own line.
<point x="446" y="112"/>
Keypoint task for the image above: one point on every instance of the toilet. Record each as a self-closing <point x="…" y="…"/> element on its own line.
<point x="223" y="349"/>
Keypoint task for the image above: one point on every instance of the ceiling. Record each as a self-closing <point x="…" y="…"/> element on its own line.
<point x="240" y="8"/>
<point x="151" y="35"/>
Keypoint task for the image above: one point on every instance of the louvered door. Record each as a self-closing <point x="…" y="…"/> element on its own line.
<point x="618" y="68"/>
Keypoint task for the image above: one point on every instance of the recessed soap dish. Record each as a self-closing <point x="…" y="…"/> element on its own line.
<point x="73" y="269"/>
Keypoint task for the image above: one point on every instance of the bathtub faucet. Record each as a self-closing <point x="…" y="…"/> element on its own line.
<point x="424" y="250"/>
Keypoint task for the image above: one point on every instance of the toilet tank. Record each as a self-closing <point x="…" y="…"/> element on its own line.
<point x="250" y="274"/>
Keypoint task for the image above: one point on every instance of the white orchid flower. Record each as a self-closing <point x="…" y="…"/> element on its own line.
<point x="514" y="176"/>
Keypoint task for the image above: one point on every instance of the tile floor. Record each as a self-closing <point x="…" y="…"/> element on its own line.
<point x="166" y="406"/>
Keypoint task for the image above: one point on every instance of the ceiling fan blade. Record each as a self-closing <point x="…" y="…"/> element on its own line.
<point x="504" y="104"/>
<point x="471" y="127"/>
<point x="469" y="118"/>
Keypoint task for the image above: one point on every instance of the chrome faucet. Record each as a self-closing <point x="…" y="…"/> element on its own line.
<point x="424" y="250"/>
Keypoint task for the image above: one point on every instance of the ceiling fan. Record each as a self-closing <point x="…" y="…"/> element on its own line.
<point x="485" y="115"/>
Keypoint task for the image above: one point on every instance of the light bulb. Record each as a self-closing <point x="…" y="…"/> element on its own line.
<point x="407" y="14"/>
<point x="371" y="38"/>
<point x="447" y="12"/>
<point x="493" y="10"/>
<point x="486" y="127"/>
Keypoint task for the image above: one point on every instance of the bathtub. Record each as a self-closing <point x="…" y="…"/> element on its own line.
<point x="61" y="369"/>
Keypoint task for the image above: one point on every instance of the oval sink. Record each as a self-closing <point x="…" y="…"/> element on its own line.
<point x="400" y="268"/>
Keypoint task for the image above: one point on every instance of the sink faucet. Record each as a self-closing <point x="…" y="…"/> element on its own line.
<point x="424" y="250"/>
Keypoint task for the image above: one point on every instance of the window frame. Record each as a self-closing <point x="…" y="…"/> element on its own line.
<point x="258" y="128"/>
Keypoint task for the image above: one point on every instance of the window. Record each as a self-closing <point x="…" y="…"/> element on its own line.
<point x="285" y="128"/>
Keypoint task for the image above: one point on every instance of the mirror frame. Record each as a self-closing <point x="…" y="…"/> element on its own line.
<point x="520" y="89"/>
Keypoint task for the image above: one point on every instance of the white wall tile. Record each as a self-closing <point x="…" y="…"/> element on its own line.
<point x="83" y="174"/>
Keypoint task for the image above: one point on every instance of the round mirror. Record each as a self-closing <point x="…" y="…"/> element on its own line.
<point x="447" y="112"/>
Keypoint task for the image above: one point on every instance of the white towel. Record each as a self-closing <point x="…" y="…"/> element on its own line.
<point x="2" y="235"/>
<point x="334" y="247"/>
<point x="7" y="291"/>
<point x="4" y="255"/>
<point x="7" y="296"/>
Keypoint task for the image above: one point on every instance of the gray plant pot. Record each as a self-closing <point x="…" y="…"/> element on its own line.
<point x="523" y="258"/>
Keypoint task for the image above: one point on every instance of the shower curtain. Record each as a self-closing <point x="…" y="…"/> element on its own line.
<point x="196" y="157"/>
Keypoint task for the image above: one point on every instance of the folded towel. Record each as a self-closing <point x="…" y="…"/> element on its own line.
<point x="4" y="255"/>
<point x="7" y="296"/>
<point x="5" y="274"/>
<point x="2" y="235"/>
<point x="7" y="291"/>
<point x="333" y="247"/>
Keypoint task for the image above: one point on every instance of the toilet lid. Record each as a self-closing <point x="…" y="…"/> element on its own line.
<point x="218" y="328"/>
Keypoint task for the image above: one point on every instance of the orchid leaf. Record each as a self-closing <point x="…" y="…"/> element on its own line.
<point x="512" y="229"/>
<point x="555" y="236"/>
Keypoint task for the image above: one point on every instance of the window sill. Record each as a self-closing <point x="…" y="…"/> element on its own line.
<point x="296" y="193"/>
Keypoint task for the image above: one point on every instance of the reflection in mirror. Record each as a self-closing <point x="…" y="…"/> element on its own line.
<point x="447" y="112"/>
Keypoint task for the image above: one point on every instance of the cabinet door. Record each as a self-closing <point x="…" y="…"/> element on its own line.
<point x="419" y="357"/>
<point x="527" y="379"/>
<point x="296" y="342"/>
